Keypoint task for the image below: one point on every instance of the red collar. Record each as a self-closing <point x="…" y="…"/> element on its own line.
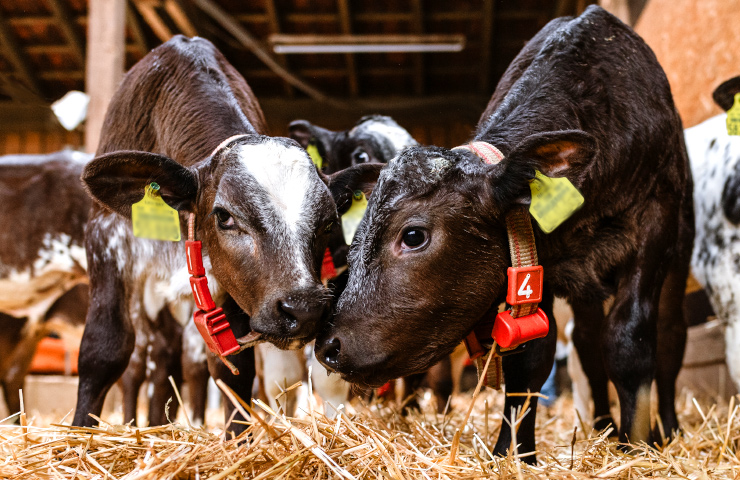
<point x="211" y="320"/>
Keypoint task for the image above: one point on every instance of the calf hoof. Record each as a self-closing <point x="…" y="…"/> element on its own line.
<point x="411" y="405"/>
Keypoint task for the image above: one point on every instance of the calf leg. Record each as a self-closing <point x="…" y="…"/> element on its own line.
<point x="589" y="320"/>
<point x="106" y="344"/>
<point x="195" y="372"/>
<point x="282" y="368"/>
<point x="166" y="355"/>
<point x="241" y="384"/>
<point x="439" y="378"/>
<point x="526" y="372"/>
<point x="630" y="341"/>
<point x="671" y="345"/>
<point x="131" y="382"/>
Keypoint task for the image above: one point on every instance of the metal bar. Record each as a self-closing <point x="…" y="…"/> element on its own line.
<point x="365" y="39"/>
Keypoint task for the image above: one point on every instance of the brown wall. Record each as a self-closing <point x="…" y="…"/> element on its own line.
<point x="698" y="44"/>
<point x="34" y="141"/>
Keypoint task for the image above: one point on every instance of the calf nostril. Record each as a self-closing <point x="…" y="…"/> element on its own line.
<point x="290" y="312"/>
<point x="301" y="315"/>
<point x="330" y="352"/>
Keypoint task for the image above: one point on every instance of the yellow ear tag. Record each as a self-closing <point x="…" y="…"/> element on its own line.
<point x="313" y="152"/>
<point x="152" y="218"/>
<point x="351" y="219"/>
<point x="553" y="200"/>
<point x="733" y="117"/>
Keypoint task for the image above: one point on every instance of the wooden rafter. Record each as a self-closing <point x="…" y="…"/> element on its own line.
<point x="148" y="12"/>
<point x="251" y="43"/>
<point x="63" y="15"/>
<point x="137" y="30"/>
<point x="345" y="22"/>
<point x="274" y="21"/>
<point x="485" y="47"/>
<point x="13" y="53"/>
<point x="418" y="28"/>
<point x="178" y="15"/>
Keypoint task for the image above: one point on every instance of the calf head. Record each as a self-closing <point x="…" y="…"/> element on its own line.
<point x="374" y="139"/>
<point x="430" y="256"/>
<point x="724" y="96"/>
<point x="263" y="214"/>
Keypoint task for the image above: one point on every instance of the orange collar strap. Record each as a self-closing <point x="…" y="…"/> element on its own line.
<point x="525" y="321"/>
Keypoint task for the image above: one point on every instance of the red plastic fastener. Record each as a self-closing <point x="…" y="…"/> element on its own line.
<point x="328" y="270"/>
<point x="216" y="331"/>
<point x="195" y="258"/>
<point x="525" y="285"/>
<point x="511" y="332"/>
<point x="201" y="294"/>
<point x="473" y="346"/>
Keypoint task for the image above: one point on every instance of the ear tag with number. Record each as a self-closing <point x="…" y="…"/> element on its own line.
<point x="313" y="152"/>
<point x="351" y="219"/>
<point x="152" y="218"/>
<point x="553" y="200"/>
<point x="733" y="117"/>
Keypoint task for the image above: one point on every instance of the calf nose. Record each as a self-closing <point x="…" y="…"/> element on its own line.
<point x="327" y="353"/>
<point x="301" y="316"/>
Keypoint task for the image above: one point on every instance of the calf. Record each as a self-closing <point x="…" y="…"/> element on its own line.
<point x="42" y="259"/>
<point x="585" y="100"/>
<point x="715" y="163"/>
<point x="185" y="119"/>
<point x="374" y="139"/>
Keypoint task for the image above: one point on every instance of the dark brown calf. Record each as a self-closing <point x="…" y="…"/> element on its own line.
<point x="587" y="100"/>
<point x="185" y="119"/>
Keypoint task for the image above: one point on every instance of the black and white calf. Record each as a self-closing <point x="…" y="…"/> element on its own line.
<point x="374" y="139"/>
<point x="42" y="258"/>
<point x="185" y="119"/>
<point x="715" y="164"/>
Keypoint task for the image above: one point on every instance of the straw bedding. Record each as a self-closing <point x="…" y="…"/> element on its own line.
<point x="374" y="441"/>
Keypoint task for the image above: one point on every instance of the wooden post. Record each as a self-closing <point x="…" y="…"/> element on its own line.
<point x="105" y="61"/>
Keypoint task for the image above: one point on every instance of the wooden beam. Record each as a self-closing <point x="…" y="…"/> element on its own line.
<point x="178" y="15"/>
<point x="274" y="20"/>
<point x="152" y="18"/>
<point x="486" y="47"/>
<point x="345" y="23"/>
<point x="12" y="52"/>
<point x="418" y="27"/>
<point x="64" y="17"/>
<point x="106" y="38"/>
<point x="136" y="29"/>
<point x="251" y="43"/>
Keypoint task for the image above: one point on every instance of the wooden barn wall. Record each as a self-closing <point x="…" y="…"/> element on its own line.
<point x="39" y="141"/>
<point x="697" y="43"/>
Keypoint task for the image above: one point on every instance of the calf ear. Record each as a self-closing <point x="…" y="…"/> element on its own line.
<point x="117" y="180"/>
<point x="724" y="95"/>
<point x="556" y="154"/>
<point x="731" y="196"/>
<point x="343" y="184"/>
<point x="300" y="131"/>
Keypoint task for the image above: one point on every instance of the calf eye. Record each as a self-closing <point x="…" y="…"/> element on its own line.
<point x="361" y="156"/>
<point x="224" y="219"/>
<point x="414" y="238"/>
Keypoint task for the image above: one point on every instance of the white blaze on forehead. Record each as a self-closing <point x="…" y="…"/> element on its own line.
<point x="288" y="179"/>
<point x="396" y="134"/>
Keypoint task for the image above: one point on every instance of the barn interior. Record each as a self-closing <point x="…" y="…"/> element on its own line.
<point x="430" y="64"/>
